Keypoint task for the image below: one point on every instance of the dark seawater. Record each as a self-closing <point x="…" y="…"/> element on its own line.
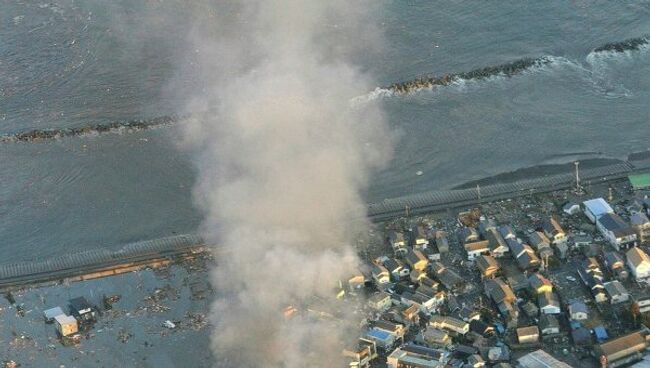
<point x="67" y="64"/>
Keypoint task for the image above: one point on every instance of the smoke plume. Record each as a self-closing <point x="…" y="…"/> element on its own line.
<point x="283" y="161"/>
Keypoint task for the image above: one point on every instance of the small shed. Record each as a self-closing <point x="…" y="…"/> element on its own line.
<point x="81" y="309"/>
<point x="527" y="335"/>
<point x="66" y="325"/>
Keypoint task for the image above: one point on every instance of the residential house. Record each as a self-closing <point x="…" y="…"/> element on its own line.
<point x="485" y="226"/>
<point x="540" y="359"/>
<point x="432" y="252"/>
<point x="360" y="356"/>
<point x="397" y="241"/>
<point x="481" y="328"/>
<point x="49" y="314"/>
<point x="503" y="297"/>
<point x="442" y="242"/>
<point x="477" y="248"/>
<point x="380" y="301"/>
<point x="507" y="232"/>
<point x="518" y="281"/>
<point x="66" y="325"/>
<point x="548" y="303"/>
<point x="475" y="361"/>
<point x="398" y="329"/>
<point x="380" y="274"/>
<point x="468" y="314"/>
<point x="488" y="266"/>
<point x="449" y="324"/>
<point x="554" y="231"/>
<point x="449" y="278"/>
<point x="639" y="263"/>
<point x="416" y="260"/>
<point x="616" y="292"/>
<point x="82" y="310"/>
<point x="541" y="244"/>
<point x="417" y="356"/>
<point x="435" y="338"/>
<point x="417" y="275"/>
<point x="643" y="302"/>
<point x="623" y="350"/>
<point x="578" y="310"/>
<point x="595" y="208"/>
<point x="398" y="270"/>
<point x="540" y="284"/>
<point x="409" y="316"/>
<point x="527" y="335"/>
<point x="617" y="232"/>
<point x="581" y="336"/>
<point x="571" y="208"/>
<point x="549" y="324"/>
<point x="530" y="309"/>
<point x="383" y="339"/>
<point x="498" y="245"/>
<point x="468" y="235"/>
<point x="641" y="225"/>
<point x="419" y="239"/>
<point x="616" y="265"/>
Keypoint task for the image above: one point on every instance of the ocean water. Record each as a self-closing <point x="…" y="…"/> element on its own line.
<point x="71" y="63"/>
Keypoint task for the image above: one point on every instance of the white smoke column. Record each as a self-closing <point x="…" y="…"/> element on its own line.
<point x="283" y="160"/>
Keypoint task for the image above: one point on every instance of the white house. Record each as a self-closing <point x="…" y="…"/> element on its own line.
<point x="548" y="303"/>
<point x="594" y="208"/>
<point x="380" y="274"/>
<point x="617" y="232"/>
<point x="476" y="249"/>
<point x="639" y="263"/>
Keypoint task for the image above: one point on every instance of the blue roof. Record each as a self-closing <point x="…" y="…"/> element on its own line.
<point x="598" y="207"/>
<point x="378" y="334"/>
<point x="601" y="333"/>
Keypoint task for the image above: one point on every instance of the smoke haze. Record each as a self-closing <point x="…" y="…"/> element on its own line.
<point x="283" y="161"/>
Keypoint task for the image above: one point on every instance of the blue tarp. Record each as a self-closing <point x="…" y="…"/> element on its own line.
<point x="601" y="333"/>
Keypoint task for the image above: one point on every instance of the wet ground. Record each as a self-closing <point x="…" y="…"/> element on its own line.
<point x="131" y="334"/>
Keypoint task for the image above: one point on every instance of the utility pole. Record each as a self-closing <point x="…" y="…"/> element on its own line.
<point x="610" y="195"/>
<point x="578" y="187"/>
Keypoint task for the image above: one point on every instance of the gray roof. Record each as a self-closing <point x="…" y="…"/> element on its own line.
<point x="615" y="224"/>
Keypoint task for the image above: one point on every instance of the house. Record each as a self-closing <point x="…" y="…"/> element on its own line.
<point x="498" y="245"/>
<point x="417" y="356"/>
<point x="617" y="232"/>
<point x="548" y="324"/>
<point x="419" y="238"/>
<point x="578" y="310"/>
<point x="641" y="225"/>
<point x="468" y="235"/>
<point x="571" y="208"/>
<point x="49" y="314"/>
<point x="581" y="336"/>
<point x="554" y="231"/>
<point x="488" y="266"/>
<point x="541" y="244"/>
<point x="540" y="284"/>
<point x="477" y="248"/>
<point x="623" y="350"/>
<point x="518" y="281"/>
<point x="416" y="260"/>
<point x="527" y="335"/>
<point x="475" y="361"/>
<point x="435" y="338"/>
<point x="507" y="232"/>
<point x="530" y="309"/>
<point x="616" y="292"/>
<point x="409" y="316"/>
<point x="481" y="328"/>
<point x="380" y="274"/>
<point x="643" y="302"/>
<point x="595" y="208"/>
<point x="527" y="259"/>
<point x="417" y="275"/>
<point x="616" y="265"/>
<point x="398" y="270"/>
<point x="582" y="240"/>
<point x="639" y="263"/>
<point x="82" y="310"/>
<point x="468" y="314"/>
<point x="66" y="325"/>
<point x="398" y="329"/>
<point x="384" y="339"/>
<point x="397" y="241"/>
<point x="540" y="359"/>
<point x="361" y="354"/>
<point x="486" y="225"/>
<point x="503" y="297"/>
<point x="449" y="324"/>
<point x="449" y="278"/>
<point x="442" y="242"/>
<point x="548" y="303"/>
<point x="432" y="252"/>
<point x="380" y="301"/>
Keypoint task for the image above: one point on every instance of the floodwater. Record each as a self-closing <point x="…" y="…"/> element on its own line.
<point x="72" y="63"/>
